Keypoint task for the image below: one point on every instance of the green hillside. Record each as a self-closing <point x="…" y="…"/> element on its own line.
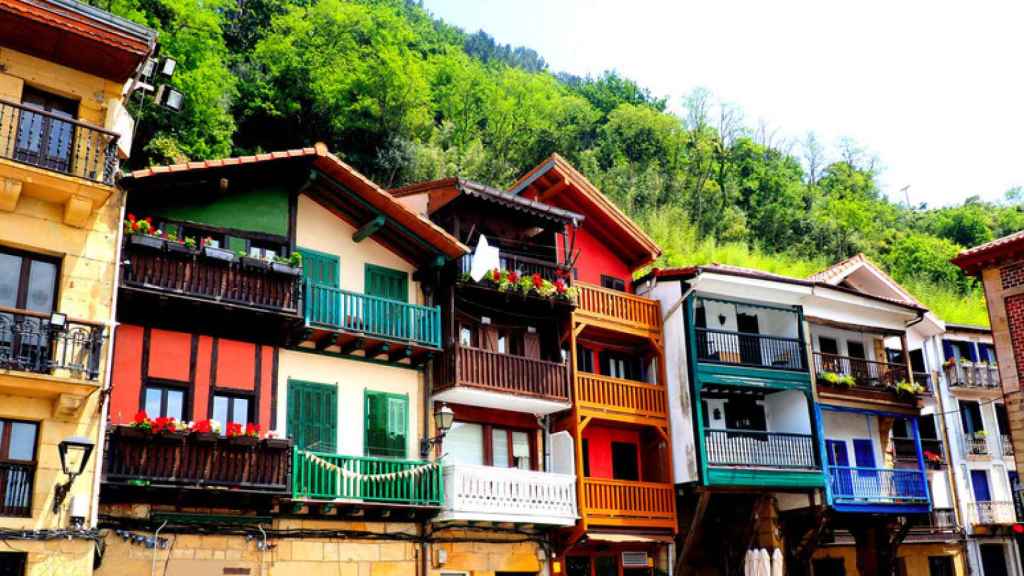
<point x="405" y="97"/>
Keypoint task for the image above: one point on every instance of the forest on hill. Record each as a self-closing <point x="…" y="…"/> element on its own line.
<point x="404" y="97"/>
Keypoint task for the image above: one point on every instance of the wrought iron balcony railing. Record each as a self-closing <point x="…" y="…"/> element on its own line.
<point x="756" y="350"/>
<point x="57" y="143"/>
<point x="755" y="449"/>
<point x="976" y="446"/>
<point x="866" y="373"/>
<point x="326" y="476"/>
<point x="992" y="513"/>
<point x="30" y="343"/>
<point x="1006" y="444"/>
<point x="859" y="485"/>
<point x="16" y="482"/>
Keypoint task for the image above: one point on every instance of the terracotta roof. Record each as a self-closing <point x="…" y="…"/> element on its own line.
<point x="490" y="194"/>
<point x="974" y="259"/>
<point x="333" y="166"/>
<point x="837" y="272"/>
<point x="644" y="249"/>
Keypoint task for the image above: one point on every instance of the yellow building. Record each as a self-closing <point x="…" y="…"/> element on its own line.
<point x="63" y="70"/>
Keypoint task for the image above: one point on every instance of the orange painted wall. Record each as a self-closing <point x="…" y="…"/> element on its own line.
<point x="599" y="446"/>
<point x="170" y="360"/>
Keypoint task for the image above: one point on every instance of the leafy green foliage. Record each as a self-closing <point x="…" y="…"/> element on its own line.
<point x="405" y="97"/>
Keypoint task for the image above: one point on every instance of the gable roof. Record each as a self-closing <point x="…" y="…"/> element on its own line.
<point x="840" y="271"/>
<point x="442" y="192"/>
<point x="403" y="224"/>
<point x="557" y="181"/>
<point x="972" y="260"/>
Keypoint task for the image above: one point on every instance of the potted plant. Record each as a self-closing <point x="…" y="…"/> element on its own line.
<point x="272" y="441"/>
<point x="205" y="431"/>
<point x="292" y="265"/>
<point x="141" y="426"/>
<point x="175" y="245"/>
<point x="142" y="233"/>
<point x="216" y="253"/>
<point x="932" y="458"/>
<point x="238" y="436"/>
<point x="981" y="434"/>
<point x="190" y="243"/>
<point x="166" y="427"/>
<point x="253" y="262"/>
<point x="904" y="388"/>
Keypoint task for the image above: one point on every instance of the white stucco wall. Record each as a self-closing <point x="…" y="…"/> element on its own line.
<point x="787" y="411"/>
<point x="845" y="427"/>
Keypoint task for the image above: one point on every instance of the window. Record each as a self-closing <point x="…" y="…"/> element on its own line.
<point x="613" y="283"/>
<point x="46" y="140"/>
<point x="12" y="563"/>
<point x="1002" y="418"/>
<point x="313" y="415"/>
<point x="468" y="335"/>
<point x="584" y="359"/>
<point x="485" y="445"/>
<point x="27" y="281"/>
<point x="940" y="566"/>
<point x="387" y="418"/>
<point x="17" y="457"/>
<point x="855" y="349"/>
<point x="828" y="345"/>
<point x="620" y="365"/>
<point x="168" y="401"/>
<point x="970" y="417"/>
<point x="386" y="283"/>
<point x="464" y="443"/>
<point x="232" y="408"/>
<point x="510" y="342"/>
<point x="624" y="461"/>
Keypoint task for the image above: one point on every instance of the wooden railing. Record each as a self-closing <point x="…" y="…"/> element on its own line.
<point x="992" y="512"/>
<point x="621" y="307"/>
<point x="195" y="275"/>
<point x="16" y="481"/>
<point x="859" y="485"/>
<point x="756" y="449"/>
<point x="505" y="373"/>
<point x="866" y="373"/>
<point x="961" y="375"/>
<point x="30" y="343"/>
<point x="47" y="140"/>
<point x="372" y="315"/>
<point x="509" y="495"/>
<point x="757" y="350"/>
<point x="618" y="395"/>
<point x="624" y="499"/>
<point x="321" y="475"/>
<point x="134" y="457"/>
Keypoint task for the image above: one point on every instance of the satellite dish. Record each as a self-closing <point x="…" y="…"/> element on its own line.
<point x="485" y="259"/>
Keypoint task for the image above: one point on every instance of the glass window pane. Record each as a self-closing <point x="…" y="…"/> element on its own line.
<point x="464" y="444"/>
<point x="220" y="409"/>
<point x="521" y="449"/>
<point x="240" y="412"/>
<point x="175" y="404"/>
<point x="465" y="336"/>
<point x="10" y="276"/>
<point x="153" y="402"/>
<point x="23" y="440"/>
<point x="499" y="448"/>
<point x="42" y="283"/>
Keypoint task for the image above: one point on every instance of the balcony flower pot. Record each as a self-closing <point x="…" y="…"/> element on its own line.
<point x="172" y="435"/>
<point x="132" y="432"/>
<point x="205" y="437"/>
<point x="243" y="440"/>
<point x="255" y="263"/>
<point x="276" y="443"/>
<point x="219" y="253"/>
<point x="147" y="241"/>
<point x="178" y="247"/>
<point x="285" y="269"/>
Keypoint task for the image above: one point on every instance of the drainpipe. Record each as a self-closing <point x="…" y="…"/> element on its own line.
<point x="104" y="408"/>
<point x="951" y="468"/>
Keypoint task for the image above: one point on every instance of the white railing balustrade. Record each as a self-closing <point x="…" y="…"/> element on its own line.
<point x="992" y="512"/>
<point x="487" y="493"/>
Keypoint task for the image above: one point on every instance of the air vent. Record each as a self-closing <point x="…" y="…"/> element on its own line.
<point x="634" y="559"/>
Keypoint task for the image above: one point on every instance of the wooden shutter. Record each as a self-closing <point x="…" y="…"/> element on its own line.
<point x="320" y="268"/>
<point x="490" y="338"/>
<point x="313" y="415"/>
<point x="398" y="418"/>
<point x="386" y="283"/>
<point x="531" y="345"/>
<point x="387" y="417"/>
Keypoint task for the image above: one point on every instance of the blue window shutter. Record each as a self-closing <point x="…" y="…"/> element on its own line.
<point x="947" y="350"/>
<point x="863" y="453"/>
<point x="979" y="481"/>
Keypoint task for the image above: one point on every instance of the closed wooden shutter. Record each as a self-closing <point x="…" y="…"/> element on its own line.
<point x="313" y="415"/>
<point x="321" y="274"/>
<point x="490" y="338"/>
<point x="386" y="283"/>
<point x="531" y="345"/>
<point x="387" y="424"/>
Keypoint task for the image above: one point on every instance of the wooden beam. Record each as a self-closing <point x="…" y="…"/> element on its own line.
<point x="353" y="345"/>
<point x="400" y="353"/>
<point x="369" y="229"/>
<point x="327" y="341"/>
<point x="377" y="349"/>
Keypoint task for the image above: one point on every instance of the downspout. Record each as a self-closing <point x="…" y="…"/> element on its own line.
<point x="951" y="467"/>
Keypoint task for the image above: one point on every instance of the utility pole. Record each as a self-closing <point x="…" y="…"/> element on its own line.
<point x="906" y="194"/>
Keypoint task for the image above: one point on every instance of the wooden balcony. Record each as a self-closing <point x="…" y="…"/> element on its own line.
<point x="141" y="459"/>
<point x="490" y="494"/>
<point x="356" y="479"/>
<point x="626" y="503"/>
<point x="476" y="377"/>
<point x="973" y="376"/>
<point x="618" y="311"/>
<point x="523" y="264"/>
<point x="621" y="400"/>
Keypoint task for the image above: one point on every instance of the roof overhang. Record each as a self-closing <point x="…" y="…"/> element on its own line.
<point x="444" y="192"/>
<point x="973" y="260"/>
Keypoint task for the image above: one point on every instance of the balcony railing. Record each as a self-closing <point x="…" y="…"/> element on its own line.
<point x="961" y="375"/>
<point x="135" y="457"/>
<point x="608" y="394"/>
<point x="630" y="501"/>
<point x="756" y="449"/>
<point x="976" y="446"/>
<point x="619" y="307"/>
<point x="320" y="475"/>
<point x="1006" y="445"/>
<point x="905" y="450"/>
<point x="16" y="481"/>
<point x="197" y="276"/>
<point x="504" y="373"/>
<point x="857" y="485"/>
<point x="924" y="379"/>
<point x="866" y="373"/>
<point x="938" y="520"/>
<point x="757" y="350"/>
<point x="47" y="140"/>
<point x="487" y="493"/>
<point x="30" y="343"/>
<point x="372" y="315"/>
<point x="992" y="513"/>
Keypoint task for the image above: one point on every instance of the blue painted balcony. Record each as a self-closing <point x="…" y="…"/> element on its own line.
<point x="370" y="327"/>
<point x="882" y="490"/>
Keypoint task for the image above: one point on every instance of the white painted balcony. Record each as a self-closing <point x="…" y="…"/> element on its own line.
<point x="992" y="513"/>
<point x="489" y="494"/>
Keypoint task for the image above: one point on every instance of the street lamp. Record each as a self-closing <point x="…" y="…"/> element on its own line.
<point x="74" y="455"/>
<point x="443" y="419"/>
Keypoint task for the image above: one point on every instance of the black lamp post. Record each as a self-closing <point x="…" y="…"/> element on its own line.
<point x="74" y="455"/>
<point x="443" y="419"/>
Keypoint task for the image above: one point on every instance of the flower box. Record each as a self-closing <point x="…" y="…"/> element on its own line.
<point x="255" y="263"/>
<point x="175" y="435"/>
<point x="178" y="247"/>
<point x="147" y="241"/>
<point x="285" y="269"/>
<point x="205" y="437"/>
<point x="276" y="443"/>
<point x="243" y="440"/>
<point x="132" y="432"/>
<point x="219" y="253"/>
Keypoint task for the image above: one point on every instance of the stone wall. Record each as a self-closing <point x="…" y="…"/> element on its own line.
<point x="1004" y="293"/>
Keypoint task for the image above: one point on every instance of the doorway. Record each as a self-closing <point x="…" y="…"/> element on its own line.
<point x="993" y="560"/>
<point x="750" y="343"/>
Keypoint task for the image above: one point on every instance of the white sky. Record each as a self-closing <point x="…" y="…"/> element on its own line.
<point x="935" y="90"/>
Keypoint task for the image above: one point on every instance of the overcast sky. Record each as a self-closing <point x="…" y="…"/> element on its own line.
<point x="934" y="89"/>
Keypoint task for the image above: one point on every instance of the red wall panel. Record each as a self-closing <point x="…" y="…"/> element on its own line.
<point x="266" y="387"/>
<point x="169" y="354"/>
<point x="596" y="259"/>
<point x="201" y="387"/>
<point x="236" y="364"/>
<point x="127" y="374"/>
<point x="599" y="446"/>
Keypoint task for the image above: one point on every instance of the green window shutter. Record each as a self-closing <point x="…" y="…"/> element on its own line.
<point x="313" y="415"/>
<point x="386" y="283"/>
<point x="320" y="268"/>
<point x="387" y="423"/>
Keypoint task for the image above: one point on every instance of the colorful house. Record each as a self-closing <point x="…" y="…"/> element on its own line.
<point x="224" y="326"/>
<point x="63" y="73"/>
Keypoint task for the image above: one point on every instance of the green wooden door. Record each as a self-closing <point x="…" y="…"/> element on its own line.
<point x="387" y="424"/>
<point x="321" y="272"/>
<point x="313" y="415"/>
<point x="387" y="283"/>
<point x="387" y="316"/>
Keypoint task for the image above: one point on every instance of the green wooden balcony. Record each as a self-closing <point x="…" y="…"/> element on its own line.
<point x="336" y="477"/>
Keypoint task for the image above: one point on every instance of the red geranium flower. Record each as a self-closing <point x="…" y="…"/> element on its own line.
<point x="496" y="275"/>
<point x="559" y="285"/>
<point x="202" y="426"/>
<point x="513" y="277"/>
<point x="234" y="429"/>
<point x="537" y="280"/>
<point x="163" y="423"/>
<point x="131" y="217"/>
<point x="252" y="429"/>
<point x="140" y="417"/>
